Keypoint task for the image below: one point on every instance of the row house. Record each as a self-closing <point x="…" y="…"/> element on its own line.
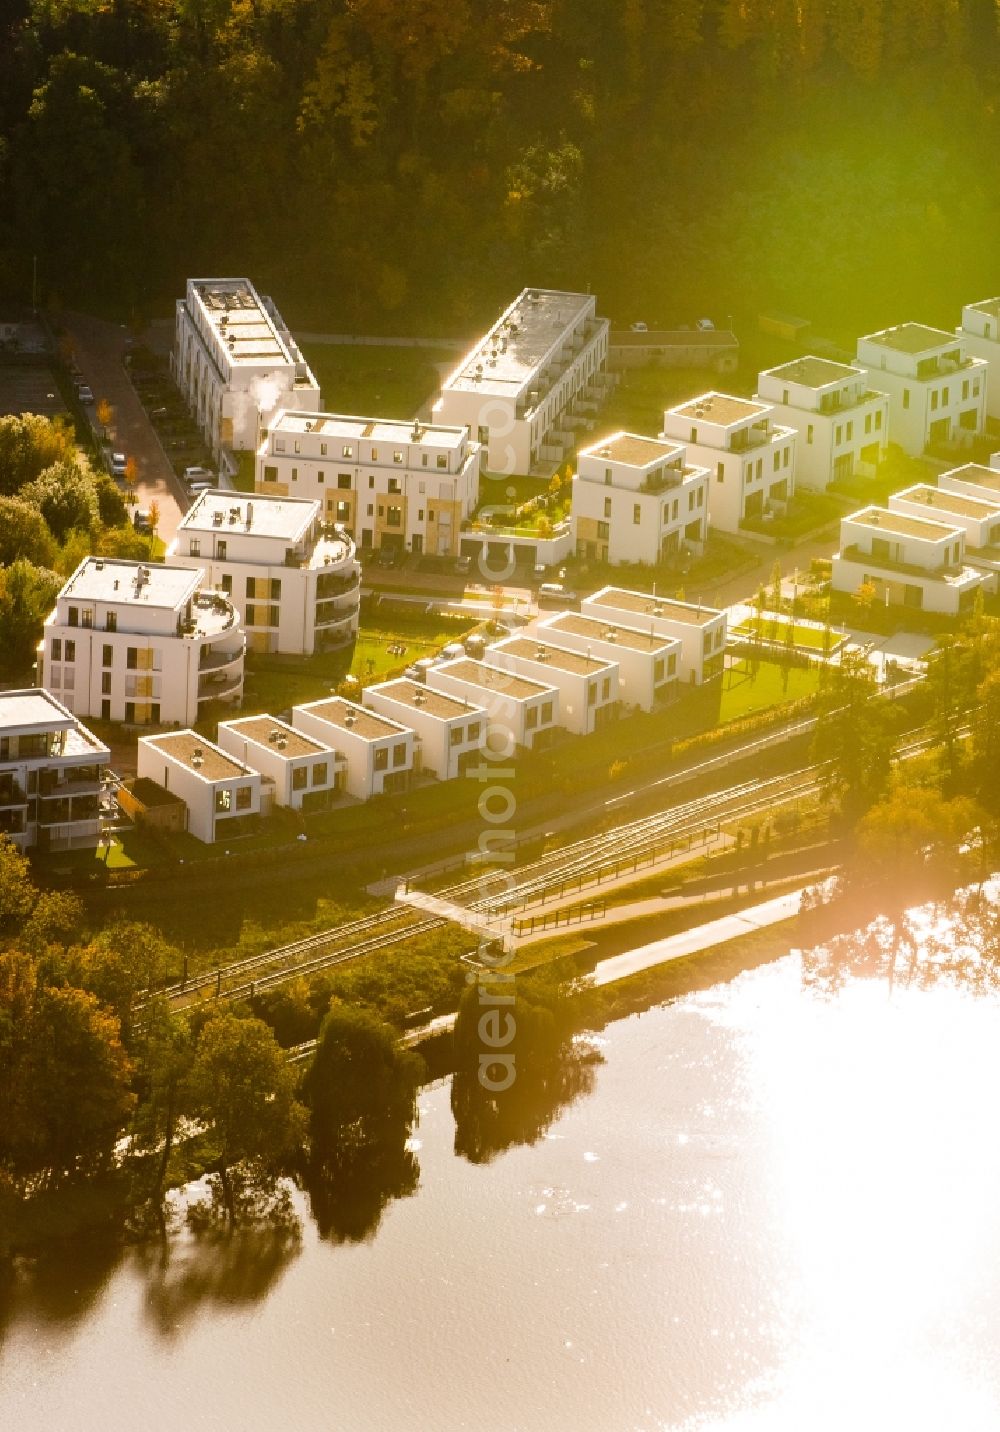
<point x="221" y="795"/>
<point x="378" y="754"/>
<point x="450" y="730"/>
<point x="749" y="456"/>
<point x="299" y="772"/>
<point x="587" y="684"/>
<point x="522" y="712"/>
<point x="141" y="644"/>
<point x="635" y="499"/>
<point x="527" y="387"/>
<point x="700" y="630"/>
<point x="408" y="486"/>
<point x="294" y="578"/>
<point x="648" y="664"/>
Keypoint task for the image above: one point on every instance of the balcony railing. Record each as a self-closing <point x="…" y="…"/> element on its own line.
<point x="212" y="689"/>
<point x="940" y="573"/>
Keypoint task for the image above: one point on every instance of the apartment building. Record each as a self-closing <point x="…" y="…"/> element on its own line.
<point x="142" y="644"/>
<point x="405" y="485"/>
<point x="980" y="335"/>
<point x="293" y="578"/>
<point x="379" y="755"/>
<point x="749" y="456"/>
<point x="450" y="729"/>
<point x="587" y="685"/>
<point x="700" y="630"/>
<point x="635" y="499"/>
<point x="909" y="561"/>
<point x="51" y="769"/>
<point x="532" y="383"/>
<point x="648" y="664"/>
<point x="519" y="711"/>
<point x="937" y="392"/>
<point x="843" y="426"/>
<point x="222" y="796"/>
<point x="297" y="770"/>
<point x="236" y="363"/>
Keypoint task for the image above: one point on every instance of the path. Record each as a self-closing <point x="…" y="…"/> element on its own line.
<point x="99" y="347"/>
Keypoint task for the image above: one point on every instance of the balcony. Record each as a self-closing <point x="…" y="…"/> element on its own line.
<point x="832" y="403"/>
<point x="940" y="573"/>
<point x="746" y="438"/>
<point x="220" y="688"/>
<point x="218" y="662"/>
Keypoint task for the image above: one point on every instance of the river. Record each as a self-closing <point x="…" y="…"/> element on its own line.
<point x="778" y="1207"/>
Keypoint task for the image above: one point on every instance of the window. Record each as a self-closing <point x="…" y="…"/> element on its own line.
<point x="397" y="456"/>
<point x="786" y="456"/>
<point x="322" y="449"/>
<point x="107" y="655"/>
<point x="531" y="718"/>
<point x="194" y="546"/>
<point x="347" y="451"/>
<point x="105" y="710"/>
<point x="374" y="456"/>
<point x="850" y="431"/>
<point x="56" y="649"/>
<point x="106" y="683"/>
<point x="455" y="736"/>
<point x="868" y="422"/>
<point x="442" y="461"/>
<point x="220" y="549"/>
<point x="223" y="801"/>
<point x="270" y="474"/>
<point x="319" y="771"/>
<point x="227" y="584"/>
<point x="319" y="477"/>
<point x="945" y="396"/>
<point x="382" y="758"/>
<point x="935" y="399"/>
<point x="483" y="434"/>
<point x="129" y="712"/>
<point x="71" y="651"/>
<point x="720" y="472"/>
<point x="297" y="446"/>
<point x="295" y="474"/>
<point x="399" y="754"/>
<point x="784" y="395"/>
<point x="423" y="458"/>
<point x="279" y="444"/>
<point x="251" y="588"/>
<point x="672" y="664"/>
<point x="371" y="483"/>
<point x="344" y="481"/>
<point x="603" y="531"/>
<point x="395" y="487"/>
<point x="371" y="510"/>
<point x="809" y="433"/>
<point x="606" y="689"/>
<point x="878" y="419"/>
<point x="394" y="517"/>
<point x="592" y="693"/>
<point x="694" y="435"/>
<point x="275" y="589"/>
<point x="637" y="512"/>
<point x="74" y="616"/>
<point x="154" y="713"/>
<point x="965" y="389"/>
<point x="706" y="644"/>
<point x="299" y="778"/>
<point x="132" y="658"/>
<point x="777" y="459"/>
<point x="420" y="514"/>
<point x="547" y="711"/>
<point x="906" y="397"/>
<point x="838" y="434"/>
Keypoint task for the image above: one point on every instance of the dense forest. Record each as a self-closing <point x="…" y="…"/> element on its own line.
<point x="406" y="164"/>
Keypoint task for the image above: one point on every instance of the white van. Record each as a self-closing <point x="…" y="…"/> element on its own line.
<point x="551" y="594"/>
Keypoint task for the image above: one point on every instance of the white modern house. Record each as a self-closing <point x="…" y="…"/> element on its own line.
<point x="909" y="561"/>
<point x="294" y="579"/>
<point x="450" y="729"/>
<point x="299" y="771"/>
<point x="222" y="795"/>
<point x="379" y="754"/>
<point x="979" y="519"/>
<point x="843" y="426"/>
<point x="974" y="479"/>
<point x="144" y="644"/>
<point x="635" y="499"/>
<point x="700" y="630"/>
<point x="937" y="391"/>
<point x="587" y="685"/>
<point x="519" y="711"/>
<point x="750" y="457"/>
<point x="236" y="362"/>
<point x="980" y="335"/>
<point x="532" y="382"/>
<point x="648" y="664"/>
<point x="51" y="769"/>
<point x="406" y="485"/>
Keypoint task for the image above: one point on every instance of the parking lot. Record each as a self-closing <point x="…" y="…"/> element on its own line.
<point x="29" y="386"/>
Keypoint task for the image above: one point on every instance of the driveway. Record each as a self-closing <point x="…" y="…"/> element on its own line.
<point x="99" y="347"/>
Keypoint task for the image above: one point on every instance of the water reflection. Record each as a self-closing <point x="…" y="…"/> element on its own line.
<point x="350" y="1189"/>
<point x="61" y="1287"/>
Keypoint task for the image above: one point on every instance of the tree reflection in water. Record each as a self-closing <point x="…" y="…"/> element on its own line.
<point x="552" y="1069"/>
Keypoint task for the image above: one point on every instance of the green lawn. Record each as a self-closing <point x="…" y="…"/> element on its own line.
<point x="777" y="630"/>
<point x="771" y="684"/>
<point x="374" y="381"/>
<point x="806" y="512"/>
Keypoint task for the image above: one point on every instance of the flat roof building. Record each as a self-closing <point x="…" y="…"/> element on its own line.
<point x="236" y="362"/>
<point x="221" y="794"/>
<point x="145" y="644"/>
<point x="378" y="753"/>
<point x="51" y="771"/>
<point x="636" y="499"/>
<point x="528" y="384"/>
<point x="648" y="663"/>
<point x="843" y="425"/>
<point x="517" y="707"/>
<point x="700" y="630"/>
<point x="451" y="730"/>
<point x="294" y="579"/>
<point x="980" y="333"/>
<point x="587" y="685"/>
<point x="937" y="391"/>
<point x="909" y="561"/>
<point x="405" y="485"/>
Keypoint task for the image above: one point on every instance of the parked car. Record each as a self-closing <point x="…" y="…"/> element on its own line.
<point x="706" y="325"/>
<point x="197" y="488"/>
<point x="389" y="557"/>
<point x="639" y="327"/>
<point x="196" y="474"/>
<point x="119" y="462"/>
<point x="84" y="393"/>
<point x="551" y="594"/>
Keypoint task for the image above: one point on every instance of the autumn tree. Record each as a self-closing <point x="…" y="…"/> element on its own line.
<point x="65" y="496"/>
<point x="27" y="595"/>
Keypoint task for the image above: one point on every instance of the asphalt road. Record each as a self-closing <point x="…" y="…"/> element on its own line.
<point x="99" y="347"/>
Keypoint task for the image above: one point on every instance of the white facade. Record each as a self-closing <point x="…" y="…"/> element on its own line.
<point x="531" y="381"/>
<point x="980" y="334"/>
<point x="221" y="794"/>
<point x="700" y="630"/>
<point x="450" y="730"/>
<point x="236" y="362"/>
<point x="843" y="426"/>
<point x="974" y="479"/>
<point x="750" y="457"/>
<point x="937" y="392"/>
<point x="142" y="644"/>
<point x="979" y="519"/>
<point x="636" y="500"/>
<point x="299" y="771"/>
<point x="408" y="485"/>
<point x="909" y="561"/>
<point x="51" y="769"/>
<point x="378" y="753"/>
<point x="648" y="664"/>
<point x="519" y="711"/>
<point x="295" y="581"/>
<point x="587" y="685"/>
